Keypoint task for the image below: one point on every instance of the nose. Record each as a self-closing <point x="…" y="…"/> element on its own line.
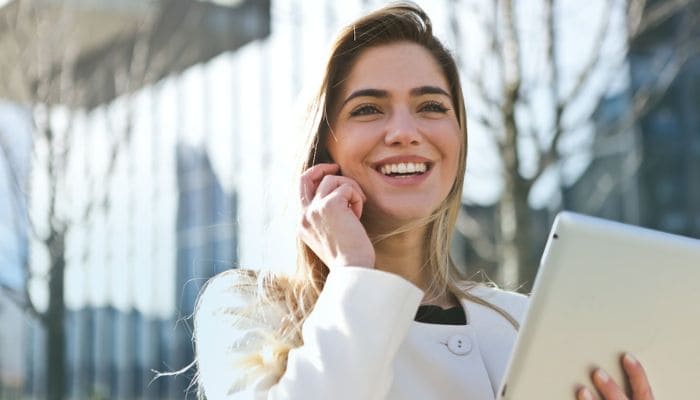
<point x="402" y="130"/>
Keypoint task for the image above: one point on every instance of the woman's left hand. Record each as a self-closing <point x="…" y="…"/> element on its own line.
<point x="638" y="382"/>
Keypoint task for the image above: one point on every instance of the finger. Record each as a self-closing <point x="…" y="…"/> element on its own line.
<point x="356" y="202"/>
<point x="330" y="182"/>
<point x="350" y="197"/>
<point x="641" y="389"/>
<point x="311" y="178"/>
<point x="584" y="393"/>
<point x="606" y="386"/>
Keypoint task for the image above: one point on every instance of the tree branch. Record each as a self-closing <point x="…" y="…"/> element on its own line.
<point x="643" y="99"/>
<point x="132" y="76"/>
<point x="594" y="59"/>
<point x="511" y="51"/>
<point x="607" y="183"/>
<point x="548" y="155"/>
<point x="477" y="78"/>
<point x="21" y="301"/>
<point x="508" y="148"/>
<point x="647" y="96"/>
<point x="642" y="18"/>
<point x="16" y="188"/>
<point x="471" y="229"/>
<point x="483" y="120"/>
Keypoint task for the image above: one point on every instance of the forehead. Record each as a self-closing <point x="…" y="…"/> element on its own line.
<point x="395" y="67"/>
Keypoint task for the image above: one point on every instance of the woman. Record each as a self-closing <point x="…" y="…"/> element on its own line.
<point x="377" y="309"/>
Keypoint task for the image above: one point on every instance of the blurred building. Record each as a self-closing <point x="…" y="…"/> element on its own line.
<point x="645" y="170"/>
<point x="207" y="245"/>
<point x="14" y="130"/>
<point x="610" y="185"/>
<point x="113" y="353"/>
<point x="169" y="219"/>
<point x="12" y="343"/>
<point x="205" y="173"/>
<point x="648" y="172"/>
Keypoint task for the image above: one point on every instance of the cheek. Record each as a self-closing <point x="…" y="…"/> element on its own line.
<point x="337" y="151"/>
<point x="346" y="157"/>
<point x="350" y="147"/>
<point x="450" y="145"/>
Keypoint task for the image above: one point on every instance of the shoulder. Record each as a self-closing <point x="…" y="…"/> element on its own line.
<point x="233" y="288"/>
<point x="236" y="296"/>
<point x="500" y="297"/>
<point x="235" y="323"/>
<point x="513" y="303"/>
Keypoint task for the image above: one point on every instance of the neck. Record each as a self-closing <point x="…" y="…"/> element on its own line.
<point x="404" y="254"/>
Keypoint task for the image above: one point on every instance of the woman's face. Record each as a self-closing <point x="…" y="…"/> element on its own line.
<point x="396" y="133"/>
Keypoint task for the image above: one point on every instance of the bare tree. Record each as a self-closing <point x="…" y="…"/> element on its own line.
<point x="527" y="130"/>
<point x="64" y="58"/>
<point x="43" y="43"/>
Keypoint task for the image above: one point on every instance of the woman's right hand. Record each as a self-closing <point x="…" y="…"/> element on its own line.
<point x="610" y="390"/>
<point x="330" y="224"/>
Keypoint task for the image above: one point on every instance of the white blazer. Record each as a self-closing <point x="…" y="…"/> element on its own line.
<point x="360" y="342"/>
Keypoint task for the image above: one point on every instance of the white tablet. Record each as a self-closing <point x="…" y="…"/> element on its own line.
<point x="604" y="288"/>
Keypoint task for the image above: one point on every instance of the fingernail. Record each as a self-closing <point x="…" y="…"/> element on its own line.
<point x="629" y="359"/>
<point x="586" y="394"/>
<point x="602" y="376"/>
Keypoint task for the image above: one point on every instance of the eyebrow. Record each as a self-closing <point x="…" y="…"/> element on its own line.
<point x="380" y="93"/>
<point x="420" y="91"/>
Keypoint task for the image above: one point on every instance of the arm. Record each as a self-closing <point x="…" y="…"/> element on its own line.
<point x="350" y="340"/>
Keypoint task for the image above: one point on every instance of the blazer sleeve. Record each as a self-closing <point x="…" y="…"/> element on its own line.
<point x="350" y="340"/>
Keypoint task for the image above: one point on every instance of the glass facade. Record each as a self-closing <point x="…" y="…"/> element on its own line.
<point x="663" y="186"/>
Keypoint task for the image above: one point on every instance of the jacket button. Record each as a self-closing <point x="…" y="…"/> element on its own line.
<point x="459" y="344"/>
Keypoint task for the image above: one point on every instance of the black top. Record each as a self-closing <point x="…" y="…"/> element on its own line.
<point x="432" y="314"/>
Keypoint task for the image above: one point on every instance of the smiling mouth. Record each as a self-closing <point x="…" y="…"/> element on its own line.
<point x="404" y="169"/>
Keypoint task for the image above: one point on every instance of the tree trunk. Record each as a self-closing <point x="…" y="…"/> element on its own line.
<point x="55" y="319"/>
<point x="515" y="232"/>
<point x="513" y="236"/>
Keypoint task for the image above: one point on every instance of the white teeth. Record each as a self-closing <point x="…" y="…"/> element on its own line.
<point x="403" y="168"/>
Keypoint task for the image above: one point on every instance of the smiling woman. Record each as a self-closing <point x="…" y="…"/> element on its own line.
<point x="377" y="309"/>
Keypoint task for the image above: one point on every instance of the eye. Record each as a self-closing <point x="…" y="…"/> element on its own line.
<point x="365" y="109"/>
<point x="433" y="106"/>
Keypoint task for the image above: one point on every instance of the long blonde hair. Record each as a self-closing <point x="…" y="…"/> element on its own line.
<point x="297" y="294"/>
<point x="398" y="22"/>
